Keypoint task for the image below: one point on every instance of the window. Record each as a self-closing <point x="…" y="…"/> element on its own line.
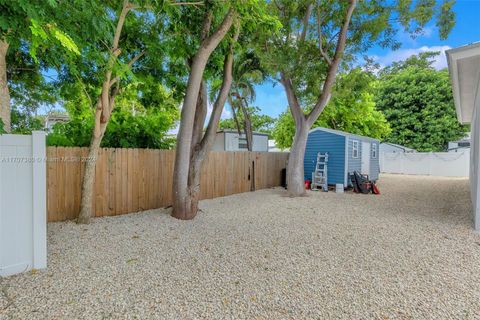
<point x="374" y="151"/>
<point x="354" y="149"/>
<point x="242" y="143"/>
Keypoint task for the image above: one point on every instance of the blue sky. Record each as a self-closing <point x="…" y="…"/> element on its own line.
<point x="272" y="100"/>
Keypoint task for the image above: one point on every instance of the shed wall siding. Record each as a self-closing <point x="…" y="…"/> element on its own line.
<point x="321" y="141"/>
<point x="374" y="163"/>
<point x="355" y="164"/>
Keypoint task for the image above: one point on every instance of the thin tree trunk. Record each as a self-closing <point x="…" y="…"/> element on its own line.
<point x="89" y="174"/>
<point x="237" y="123"/>
<point x="103" y="112"/>
<point x="181" y="194"/>
<point x="234" y="114"/>
<point x="4" y="92"/>
<point x="247" y="123"/>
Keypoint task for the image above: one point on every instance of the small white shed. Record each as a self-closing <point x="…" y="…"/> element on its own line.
<point x="464" y="67"/>
<point x="230" y="140"/>
<point x="387" y="147"/>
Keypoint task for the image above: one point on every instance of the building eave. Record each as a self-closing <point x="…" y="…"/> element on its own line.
<point x="463" y="99"/>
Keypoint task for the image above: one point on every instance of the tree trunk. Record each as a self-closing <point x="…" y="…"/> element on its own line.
<point x="182" y="208"/>
<point x="247" y="123"/>
<point x="295" y="172"/>
<point x="4" y="92"/>
<point x="181" y="194"/>
<point x="89" y="174"/>
<point x="194" y="185"/>
<point x="237" y="123"/>
<point x="88" y="181"/>
<point x="200" y="115"/>
<point x="193" y="195"/>
<point x="234" y="114"/>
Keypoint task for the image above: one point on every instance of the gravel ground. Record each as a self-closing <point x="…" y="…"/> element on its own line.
<point x="409" y="253"/>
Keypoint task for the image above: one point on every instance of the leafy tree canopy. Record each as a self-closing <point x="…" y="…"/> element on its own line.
<point x="351" y="109"/>
<point x="138" y="121"/>
<point x="303" y="54"/>
<point x="417" y="101"/>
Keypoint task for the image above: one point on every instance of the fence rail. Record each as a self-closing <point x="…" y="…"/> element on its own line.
<point x="131" y="180"/>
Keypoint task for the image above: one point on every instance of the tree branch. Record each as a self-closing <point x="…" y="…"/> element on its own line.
<point x="135" y="59"/>
<point x="130" y="65"/>
<point x="306" y="18"/>
<point x="194" y="3"/>
<point x="214" y="39"/>
<point x="320" y="38"/>
<point x="277" y="5"/>
<point x="115" y="52"/>
<point x="324" y="97"/>
<point x="293" y="103"/>
<point x="127" y="6"/>
<point x="221" y="98"/>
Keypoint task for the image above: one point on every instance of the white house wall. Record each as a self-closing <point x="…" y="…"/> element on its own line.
<point x="475" y="159"/>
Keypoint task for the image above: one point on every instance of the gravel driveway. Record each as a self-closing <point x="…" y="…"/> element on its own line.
<point x="409" y="253"/>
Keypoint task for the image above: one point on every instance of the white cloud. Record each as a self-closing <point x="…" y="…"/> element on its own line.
<point x="440" y="61"/>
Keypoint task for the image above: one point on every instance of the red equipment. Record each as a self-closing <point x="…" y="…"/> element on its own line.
<point x="307" y="184"/>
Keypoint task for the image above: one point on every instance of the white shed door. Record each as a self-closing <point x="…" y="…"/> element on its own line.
<point x="366" y="157"/>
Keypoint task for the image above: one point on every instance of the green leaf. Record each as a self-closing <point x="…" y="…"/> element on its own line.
<point x="65" y="40"/>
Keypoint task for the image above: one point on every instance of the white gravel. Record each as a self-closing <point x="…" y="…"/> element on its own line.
<point x="409" y="253"/>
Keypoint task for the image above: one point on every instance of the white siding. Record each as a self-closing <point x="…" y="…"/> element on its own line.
<point x="219" y="143"/>
<point x="475" y="159"/>
<point x="260" y="142"/>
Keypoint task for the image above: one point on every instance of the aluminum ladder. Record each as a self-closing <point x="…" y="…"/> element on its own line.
<point x="320" y="175"/>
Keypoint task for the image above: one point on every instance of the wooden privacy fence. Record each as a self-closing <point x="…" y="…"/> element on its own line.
<point x="131" y="180"/>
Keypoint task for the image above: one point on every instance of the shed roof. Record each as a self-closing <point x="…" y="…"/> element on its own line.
<point x="343" y="133"/>
<point x="255" y="133"/>
<point x="399" y="146"/>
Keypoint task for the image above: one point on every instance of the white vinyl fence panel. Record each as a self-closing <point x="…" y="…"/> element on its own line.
<point x="23" y="222"/>
<point x="447" y="164"/>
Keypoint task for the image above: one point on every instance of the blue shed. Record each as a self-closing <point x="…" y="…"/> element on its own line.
<point x="346" y="153"/>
